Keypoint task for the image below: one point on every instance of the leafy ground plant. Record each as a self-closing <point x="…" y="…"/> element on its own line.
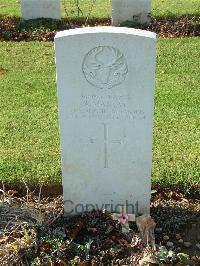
<point x="171" y="258"/>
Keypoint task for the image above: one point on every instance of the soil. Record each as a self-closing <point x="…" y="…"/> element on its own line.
<point x="34" y="231"/>
<point x="15" y="29"/>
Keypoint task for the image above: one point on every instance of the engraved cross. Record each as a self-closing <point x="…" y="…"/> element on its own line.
<point x="106" y="142"/>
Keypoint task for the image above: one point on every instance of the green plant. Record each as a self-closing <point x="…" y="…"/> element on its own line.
<point x="80" y="250"/>
<point x="168" y="256"/>
<point x="163" y="255"/>
<point x="184" y="258"/>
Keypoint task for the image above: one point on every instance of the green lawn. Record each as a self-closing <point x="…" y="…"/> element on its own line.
<point x="102" y="8"/>
<point x="176" y="131"/>
<point x="175" y="7"/>
<point x="28" y="122"/>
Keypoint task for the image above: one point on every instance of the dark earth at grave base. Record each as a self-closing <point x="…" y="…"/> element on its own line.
<point x="33" y="231"/>
<point x="14" y="29"/>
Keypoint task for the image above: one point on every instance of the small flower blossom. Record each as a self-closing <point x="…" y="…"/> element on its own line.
<point x="123" y="218"/>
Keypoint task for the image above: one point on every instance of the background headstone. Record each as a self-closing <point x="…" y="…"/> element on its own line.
<point x="105" y="80"/>
<point x="132" y="10"/>
<point x="32" y="9"/>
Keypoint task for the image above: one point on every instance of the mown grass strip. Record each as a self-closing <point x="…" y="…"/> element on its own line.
<point x="102" y="8"/>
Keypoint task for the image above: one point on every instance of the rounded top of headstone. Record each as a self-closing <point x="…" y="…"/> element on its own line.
<point x="106" y="29"/>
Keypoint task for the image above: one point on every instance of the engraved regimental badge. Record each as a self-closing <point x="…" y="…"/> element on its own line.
<point x="105" y="67"/>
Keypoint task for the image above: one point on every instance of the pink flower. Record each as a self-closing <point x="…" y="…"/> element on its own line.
<point x="123" y="218"/>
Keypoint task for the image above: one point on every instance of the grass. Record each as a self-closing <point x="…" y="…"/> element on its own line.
<point x="28" y="123"/>
<point x="175" y="8"/>
<point x="29" y="131"/>
<point x="176" y="130"/>
<point x="102" y="8"/>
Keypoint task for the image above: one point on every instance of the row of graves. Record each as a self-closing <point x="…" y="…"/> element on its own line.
<point x="126" y="10"/>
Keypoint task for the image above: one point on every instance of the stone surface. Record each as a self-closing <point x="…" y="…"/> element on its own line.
<point x="132" y="10"/>
<point x="165" y="238"/>
<point x="158" y="230"/>
<point x="187" y="244"/>
<point x="198" y="245"/>
<point x="32" y="9"/>
<point x="105" y="80"/>
<point x="169" y="244"/>
<point x="178" y="236"/>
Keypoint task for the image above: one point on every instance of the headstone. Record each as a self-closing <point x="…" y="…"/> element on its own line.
<point x="105" y="81"/>
<point x="32" y="9"/>
<point x="131" y="10"/>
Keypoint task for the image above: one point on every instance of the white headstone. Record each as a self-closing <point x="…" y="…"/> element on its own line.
<point x="132" y="10"/>
<point x="105" y="80"/>
<point x="32" y="9"/>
